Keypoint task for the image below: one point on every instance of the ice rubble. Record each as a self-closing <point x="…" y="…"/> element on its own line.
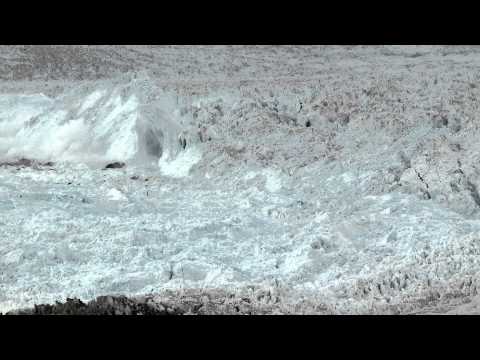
<point x="367" y="209"/>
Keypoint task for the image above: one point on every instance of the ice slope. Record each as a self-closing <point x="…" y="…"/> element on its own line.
<point x="15" y="112"/>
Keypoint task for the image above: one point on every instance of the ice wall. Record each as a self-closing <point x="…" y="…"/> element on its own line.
<point x="130" y="122"/>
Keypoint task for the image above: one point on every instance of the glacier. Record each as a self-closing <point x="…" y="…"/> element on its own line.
<point x="361" y="195"/>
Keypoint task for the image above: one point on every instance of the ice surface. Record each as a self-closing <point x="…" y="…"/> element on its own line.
<point x="373" y="207"/>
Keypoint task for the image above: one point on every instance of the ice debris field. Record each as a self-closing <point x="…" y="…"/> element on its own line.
<point x="362" y="196"/>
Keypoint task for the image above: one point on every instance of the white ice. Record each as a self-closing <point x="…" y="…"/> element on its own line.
<point x="333" y="211"/>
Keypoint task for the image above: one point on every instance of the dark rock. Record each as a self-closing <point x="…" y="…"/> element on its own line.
<point x="21" y="162"/>
<point x="24" y="162"/>
<point x="115" y="165"/>
<point x="103" y="305"/>
<point x="183" y="143"/>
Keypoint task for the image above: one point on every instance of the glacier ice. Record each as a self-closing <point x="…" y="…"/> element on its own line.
<point x="112" y="123"/>
<point x="225" y="186"/>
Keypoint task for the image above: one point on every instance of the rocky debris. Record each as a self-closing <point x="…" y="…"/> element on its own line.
<point x="26" y="163"/>
<point x="185" y="302"/>
<point x="253" y="301"/>
<point x="121" y="305"/>
<point x="115" y="165"/>
<point x="103" y="305"/>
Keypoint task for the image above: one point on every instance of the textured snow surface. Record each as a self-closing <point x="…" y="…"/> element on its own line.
<point x="355" y="188"/>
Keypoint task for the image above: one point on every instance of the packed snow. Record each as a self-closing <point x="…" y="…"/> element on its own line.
<point x="356" y="187"/>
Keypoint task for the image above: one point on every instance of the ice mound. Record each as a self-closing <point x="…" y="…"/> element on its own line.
<point x="181" y="165"/>
<point x="129" y="121"/>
